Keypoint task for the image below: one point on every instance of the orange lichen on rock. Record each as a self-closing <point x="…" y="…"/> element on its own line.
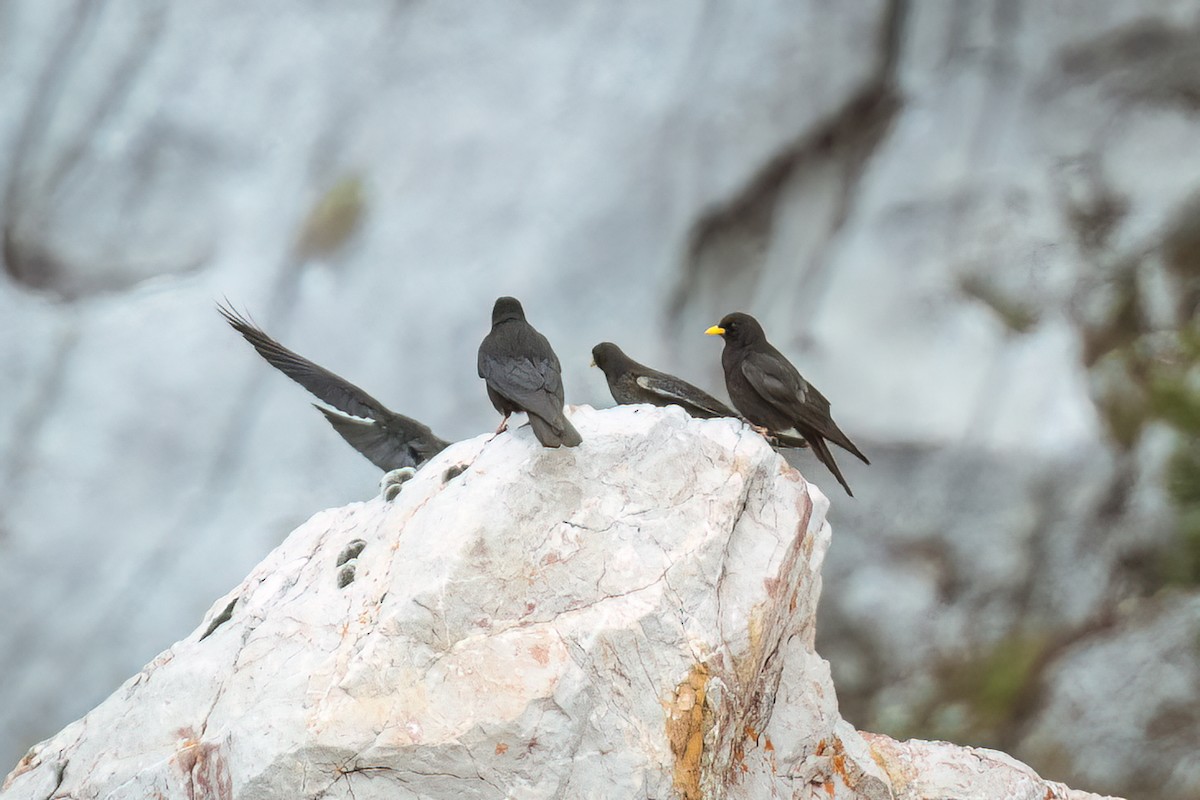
<point x="685" y="731"/>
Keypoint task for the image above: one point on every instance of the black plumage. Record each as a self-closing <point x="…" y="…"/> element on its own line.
<point x="523" y="374"/>
<point x="768" y="390"/>
<point x="388" y="440"/>
<point x="631" y="382"/>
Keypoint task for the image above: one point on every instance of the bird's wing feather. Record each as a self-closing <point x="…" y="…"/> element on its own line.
<point x="683" y="393"/>
<point x="778" y="382"/>
<point x="385" y="449"/>
<point x="774" y="379"/>
<point x="518" y="363"/>
<point x="325" y="385"/>
<point x="780" y="385"/>
<point x="533" y="385"/>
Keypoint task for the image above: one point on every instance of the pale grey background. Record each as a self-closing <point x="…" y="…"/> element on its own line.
<point x="973" y="225"/>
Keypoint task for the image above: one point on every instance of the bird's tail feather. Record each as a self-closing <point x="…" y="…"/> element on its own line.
<point x="559" y="433"/>
<point x="843" y="441"/>
<point x="821" y="451"/>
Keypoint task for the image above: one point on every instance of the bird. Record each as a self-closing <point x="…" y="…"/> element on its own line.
<point x="523" y="374"/>
<point x="772" y="395"/>
<point x="631" y="383"/>
<point x="389" y="440"/>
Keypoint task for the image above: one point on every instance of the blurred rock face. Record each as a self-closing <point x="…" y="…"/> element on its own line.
<point x="973" y="226"/>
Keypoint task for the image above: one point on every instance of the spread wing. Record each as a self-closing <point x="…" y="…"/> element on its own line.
<point x="401" y="442"/>
<point x="682" y="393"/>
<point x="325" y="385"/>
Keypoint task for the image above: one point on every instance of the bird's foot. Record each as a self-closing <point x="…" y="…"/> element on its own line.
<point x="788" y="440"/>
<point x="390" y="483"/>
<point x="761" y="431"/>
<point x="503" y="425"/>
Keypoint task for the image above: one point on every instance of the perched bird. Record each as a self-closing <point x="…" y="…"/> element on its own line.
<point x="389" y="440"/>
<point x="523" y="374"/>
<point x="631" y="382"/>
<point x="770" y="392"/>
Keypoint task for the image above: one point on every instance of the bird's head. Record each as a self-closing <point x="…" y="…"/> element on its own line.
<point x="505" y="309"/>
<point x="606" y="354"/>
<point x="738" y="329"/>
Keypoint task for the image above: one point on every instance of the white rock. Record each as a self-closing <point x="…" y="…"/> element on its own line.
<point x="928" y="770"/>
<point x="632" y="618"/>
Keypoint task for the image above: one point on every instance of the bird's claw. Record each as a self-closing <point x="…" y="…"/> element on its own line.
<point x="391" y="482"/>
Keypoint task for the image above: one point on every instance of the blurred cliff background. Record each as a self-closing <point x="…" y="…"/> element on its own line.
<point x="974" y="225"/>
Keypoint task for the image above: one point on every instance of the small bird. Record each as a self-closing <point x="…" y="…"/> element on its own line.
<point x="631" y="382"/>
<point x="765" y="387"/>
<point x="389" y="440"/>
<point x="523" y="374"/>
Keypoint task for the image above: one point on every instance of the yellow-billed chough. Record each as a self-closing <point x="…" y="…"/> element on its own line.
<point x="768" y="390"/>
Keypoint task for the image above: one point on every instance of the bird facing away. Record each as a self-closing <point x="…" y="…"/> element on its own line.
<point x="523" y="374"/>
<point x="768" y="390"/>
<point x="389" y="440"/>
<point x="631" y="382"/>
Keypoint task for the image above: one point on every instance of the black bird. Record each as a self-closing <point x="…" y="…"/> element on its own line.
<point x="631" y="382"/>
<point x="765" y="387"/>
<point x="523" y="374"/>
<point x="389" y="440"/>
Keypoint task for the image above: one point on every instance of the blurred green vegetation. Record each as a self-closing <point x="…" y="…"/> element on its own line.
<point x="1183" y="482"/>
<point x="982" y="698"/>
<point x="994" y="684"/>
<point x="334" y="219"/>
<point x="1144" y="376"/>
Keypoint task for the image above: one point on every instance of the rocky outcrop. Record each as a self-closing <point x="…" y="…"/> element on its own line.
<point x="633" y="618"/>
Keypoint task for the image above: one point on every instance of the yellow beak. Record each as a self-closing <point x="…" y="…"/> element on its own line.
<point x="715" y="330"/>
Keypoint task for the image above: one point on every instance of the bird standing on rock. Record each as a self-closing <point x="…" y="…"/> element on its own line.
<point x="523" y="374"/>
<point x="389" y="440"/>
<point x="631" y="382"/>
<point x="770" y="392"/>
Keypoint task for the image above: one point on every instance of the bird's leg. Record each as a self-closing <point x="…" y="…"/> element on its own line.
<point x="390" y="483"/>
<point x="761" y="431"/>
<point x="503" y="424"/>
